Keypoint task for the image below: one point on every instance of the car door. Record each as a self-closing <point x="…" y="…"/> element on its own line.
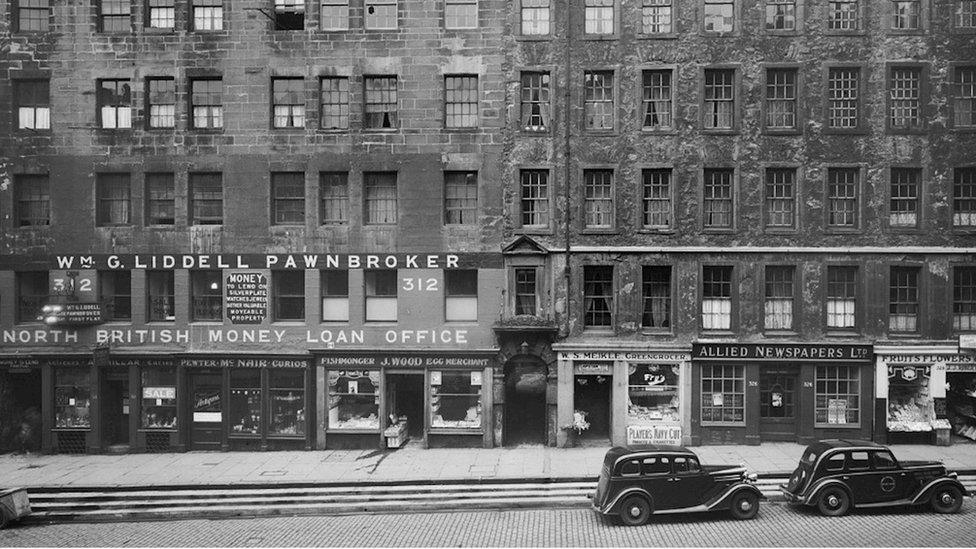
<point x="689" y="483"/>
<point x="656" y="479"/>
<point x="865" y="484"/>
<point x="892" y="480"/>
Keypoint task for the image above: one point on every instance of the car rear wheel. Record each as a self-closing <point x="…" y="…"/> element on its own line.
<point x="745" y="505"/>
<point x="947" y="499"/>
<point x="4" y="519"/>
<point x="834" y="502"/>
<point x="634" y="511"/>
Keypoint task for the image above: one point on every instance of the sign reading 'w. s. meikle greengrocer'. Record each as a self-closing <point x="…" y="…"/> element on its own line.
<point x="258" y="261"/>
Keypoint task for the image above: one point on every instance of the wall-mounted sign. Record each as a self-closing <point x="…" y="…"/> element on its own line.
<point x="953" y="362"/>
<point x="404" y="361"/>
<point x="15" y="364"/>
<point x="909" y="373"/>
<point x="800" y="352"/>
<point x="629" y="356"/>
<point x="72" y="314"/>
<point x="659" y="433"/>
<point x="242" y="362"/>
<point x="593" y="368"/>
<point x="247" y="297"/>
<point x="159" y="392"/>
<point x="967" y="341"/>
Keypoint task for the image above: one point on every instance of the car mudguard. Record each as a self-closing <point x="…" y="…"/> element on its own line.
<point x="815" y="490"/>
<point x="722" y="500"/>
<point x="613" y="507"/>
<point x="926" y="492"/>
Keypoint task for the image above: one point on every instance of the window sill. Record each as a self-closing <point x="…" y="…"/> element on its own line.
<point x="846" y="33"/>
<point x="782" y="131"/>
<point x="780" y="333"/>
<point x="842" y="333"/>
<point x="154" y="31"/>
<point x="161" y="322"/>
<point x="156" y="430"/>
<point x="840" y="230"/>
<point x="846" y="131"/>
<point x="780" y="230"/>
<point x="334" y="322"/>
<point x="954" y="129"/>
<point x="729" y="131"/>
<point x="654" y="332"/>
<point x="119" y="226"/>
<point x="535" y="133"/>
<point x="288" y="322"/>
<point x="288" y="129"/>
<point x="48" y="132"/>
<point x="662" y="36"/>
<point x="71" y="429"/>
<point x="723" y="424"/>
<point x="714" y="34"/>
<point x="327" y="131"/>
<point x="962" y="31"/>
<point x="836" y="425"/>
<point x="380" y="322"/>
<point x="380" y="130"/>
<point x="904" y="230"/>
<point x="335" y="225"/>
<point x="596" y="231"/>
<point x="600" y="37"/>
<point x="465" y="129"/>
<point x="963" y="230"/>
<point x="118" y="321"/>
<point x="206" y="322"/>
<point x="900" y="131"/>
<point x="717" y="333"/>
<point x="662" y="231"/>
<point x="530" y="230"/>
<point x="533" y="38"/>
<point x="160" y="227"/>
<point x="34" y="227"/>
<point x="906" y="32"/>
<point x="598" y="330"/>
<point x="658" y="131"/>
<point x="376" y="431"/>
<point x="718" y="230"/>
<point x="205" y="131"/>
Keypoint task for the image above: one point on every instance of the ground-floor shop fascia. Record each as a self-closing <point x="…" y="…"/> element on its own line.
<point x="382" y="397"/>
<point x="925" y="392"/>
<point x="749" y="393"/>
<point x="623" y="393"/>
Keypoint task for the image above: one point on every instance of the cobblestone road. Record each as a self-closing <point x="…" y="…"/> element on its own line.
<point x="777" y="526"/>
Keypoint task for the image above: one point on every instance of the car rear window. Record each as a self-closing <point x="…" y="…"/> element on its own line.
<point x="631" y="467"/>
<point x="834" y="463"/>
<point x="809" y="457"/>
<point x="656" y="465"/>
<point x="859" y="460"/>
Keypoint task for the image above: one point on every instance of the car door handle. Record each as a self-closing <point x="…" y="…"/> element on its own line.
<point x="673" y="479"/>
<point x="845" y="478"/>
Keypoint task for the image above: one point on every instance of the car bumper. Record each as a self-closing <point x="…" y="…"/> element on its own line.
<point x="790" y="496"/>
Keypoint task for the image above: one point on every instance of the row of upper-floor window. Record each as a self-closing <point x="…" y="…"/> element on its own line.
<point x="286" y="300"/>
<point x="601" y="18"/>
<point x="379" y="199"/>
<point x="719" y="298"/>
<point x="721" y="103"/>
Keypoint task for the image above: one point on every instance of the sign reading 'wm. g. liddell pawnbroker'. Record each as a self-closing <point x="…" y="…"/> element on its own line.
<point x="809" y="352"/>
<point x="467" y="260"/>
<point x="247" y="297"/>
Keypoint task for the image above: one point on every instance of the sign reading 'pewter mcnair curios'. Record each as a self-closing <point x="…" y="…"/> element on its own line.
<point x="809" y="352"/>
<point x="247" y="298"/>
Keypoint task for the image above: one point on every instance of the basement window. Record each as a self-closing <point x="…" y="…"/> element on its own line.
<point x="289" y="14"/>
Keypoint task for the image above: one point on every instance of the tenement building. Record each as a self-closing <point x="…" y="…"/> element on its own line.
<point x="304" y="224"/>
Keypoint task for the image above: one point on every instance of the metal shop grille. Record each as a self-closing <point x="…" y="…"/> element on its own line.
<point x="71" y="443"/>
<point x="157" y="442"/>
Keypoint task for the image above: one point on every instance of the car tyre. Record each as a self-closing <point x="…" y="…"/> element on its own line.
<point x="635" y="511"/>
<point x="745" y="505"/>
<point x="834" y="502"/>
<point x="946" y="500"/>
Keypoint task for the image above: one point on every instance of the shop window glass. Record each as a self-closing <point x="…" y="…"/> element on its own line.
<point x="381" y="296"/>
<point x="455" y="400"/>
<point x="335" y="296"/>
<point x="461" y="295"/>
<point x="656" y="466"/>
<point x="72" y="398"/>
<point x="161" y="295"/>
<point x="287" y="387"/>
<point x="837" y="395"/>
<point x="206" y="295"/>
<point x="653" y="394"/>
<point x="354" y="401"/>
<point x="115" y="289"/>
<point x="911" y="407"/>
<point x="723" y="393"/>
<point x="245" y="402"/>
<point x="159" y="398"/>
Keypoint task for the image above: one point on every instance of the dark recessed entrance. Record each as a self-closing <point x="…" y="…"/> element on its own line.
<point x="525" y="401"/>
<point x="405" y="398"/>
<point x="115" y="410"/>
<point x="591" y="396"/>
<point x="778" y="405"/>
<point x="206" y="410"/>
<point x="20" y="403"/>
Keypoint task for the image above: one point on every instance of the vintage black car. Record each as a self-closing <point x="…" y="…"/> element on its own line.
<point x="637" y="482"/>
<point x="837" y="475"/>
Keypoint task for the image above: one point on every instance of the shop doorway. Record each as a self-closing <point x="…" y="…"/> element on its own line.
<point x="525" y="401"/>
<point x="591" y="396"/>
<point x="20" y="410"/>
<point x="405" y="398"/>
<point x="778" y="405"/>
<point x="205" y="410"/>
<point x="961" y="404"/>
<point x="115" y="411"/>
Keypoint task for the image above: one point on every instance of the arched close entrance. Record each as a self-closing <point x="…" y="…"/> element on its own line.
<point x="525" y="401"/>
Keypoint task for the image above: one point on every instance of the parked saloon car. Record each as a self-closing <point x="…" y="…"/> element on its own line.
<point x="835" y="475"/>
<point x="637" y="482"/>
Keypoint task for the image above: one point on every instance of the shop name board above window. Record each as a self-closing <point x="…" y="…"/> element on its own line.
<point x="242" y="363"/>
<point x="630" y="356"/>
<point x="19" y="363"/>
<point x="593" y="369"/>
<point x="948" y="363"/>
<point x="468" y="260"/>
<point x="781" y="351"/>
<point x="405" y="361"/>
<point x="909" y="373"/>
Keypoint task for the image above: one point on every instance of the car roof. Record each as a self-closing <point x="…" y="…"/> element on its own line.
<point x="620" y="451"/>
<point x="835" y="443"/>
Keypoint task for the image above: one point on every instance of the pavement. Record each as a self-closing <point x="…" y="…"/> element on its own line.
<point x="410" y="464"/>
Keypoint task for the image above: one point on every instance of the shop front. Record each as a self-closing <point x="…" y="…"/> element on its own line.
<point x="240" y="403"/>
<point x="386" y="399"/>
<point x="20" y="403"/>
<point x="747" y="393"/>
<point x="927" y="393"/>
<point x="623" y="396"/>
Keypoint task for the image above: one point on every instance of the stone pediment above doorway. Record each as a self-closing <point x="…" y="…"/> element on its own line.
<point x="524" y="245"/>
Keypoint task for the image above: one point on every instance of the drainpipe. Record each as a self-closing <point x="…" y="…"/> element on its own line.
<point x="567" y="125"/>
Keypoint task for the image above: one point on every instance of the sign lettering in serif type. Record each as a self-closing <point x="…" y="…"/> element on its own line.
<point x="73" y="313"/>
<point x="466" y="260"/>
<point x="662" y="433"/>
<point x="781" y="351"/>
<point x="159" y="392"/>
<point x="247" y="298"/>
<point x="406" y="361"/>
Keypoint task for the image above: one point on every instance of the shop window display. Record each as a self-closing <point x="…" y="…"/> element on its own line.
<point x="245" y="402"/>
<point x="354" y="401"/>
<point x="911" y="407"/>
<point x="455" y="400"/>
<point x="961" y="400"/>
<point x="723" y="394"/>
<point x="159" y="399"/>
<point x="837" y="395"/>
<point x="287" y="389"/>
<point x="72" y="398"/>
<point x="653" y="394"/>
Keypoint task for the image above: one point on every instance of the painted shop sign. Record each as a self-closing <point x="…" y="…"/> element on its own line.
<point x="593" y="368"/>
<point x="909" y="373"/>
<point x="243" y="363"/>
<point x="247" y="298"/>
<point x="663" y="433"/>
<point x="781" y="351"/>
<point x="631" y="356"/>
<point x="257" y="261"/>
<point x="72" y="313"/>
<point x="160" y="393"/>
<point x="15" y="364"/>
<point x="405" y="361"/>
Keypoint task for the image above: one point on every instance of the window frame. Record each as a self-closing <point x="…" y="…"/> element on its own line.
<point x="646" y="268"/>
<point x="467" y="175"/>
<point x="921" y="309"/>
<point x="859" y="292"/>
<point x="924" y="18"/>
<point x="858" y="227"/>
<point x="323" y="295"/>
<point x="477" y="15"/>
<point x="796" y="283"/>
<point x="862" y="20"/>
<point x="671" y="70"/>
<point x="99" y="106"/>
<point x="613" y="318"/>
<point x="923" y="97"/>
<point x="339" y="4"/>
<point x="395" y="118"/>
<point x="147" y="19"/>
<point x="277" y="10"/>
<point x="958" y="172"/>
<point x="797" y="178"/>
<point x="108" y="300"/>
<point x="320" y="104"/>
<point x="514" y="285"/>
<point x="279" y="179"/>
<point x="585" y="171"/>
<point x="736" y="18"/>
<point x="711" y="377"/>
<point x="101" y="16"/>
<point x="955" y="28"/>
<point x="450" y="273"/>
<point x="672" y="184"/>
<point x="148" y="198"/>
<point x="210" y="116"/>
<point x="170" y="279"/>
<point x="101" y="199"/>
<point x="193" y="275"/>
<point x="734" y="188"/>
<point x="798" y="85"/>
<point x="367" y="221"/>
<point x="733" y="299"/>
<point x="476" y="102"/>
<point x="521" y="34"/>
<point x="548" y="200"/>
<point x="22" y="181"/>
<point x="277" y="294"/>
<point x="798" y="20"/>
<point x="956" y="269"/>
<point x="149" y="104"/>
<point x="193" y="219"/>
<point x="856" y="369"/>
<point x="920" y="191"/>
<point x="676" y="26"/>
<point x="954" y="68"/>
<point x="861" y="127"/>
<point x="371" y="3"/>
<point x="15" y="20"/>
<point x="203" y="4"/>
<point x="367" y="295"/>
<point x="544" y="73"/>
<point x="19" y="85"/>
<point x="291" y="116"/>
<point x="615" y="23"/>
<point x="737" y="99"/>
<point x="344" y="204"/>
<point x="614" y="94"/>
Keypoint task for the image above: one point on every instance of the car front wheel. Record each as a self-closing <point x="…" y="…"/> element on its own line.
<point x="634" y="511"/>
<point x="745" y="505"/>
<point x="834" y="502"/>
<point x="947" y="499"/>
